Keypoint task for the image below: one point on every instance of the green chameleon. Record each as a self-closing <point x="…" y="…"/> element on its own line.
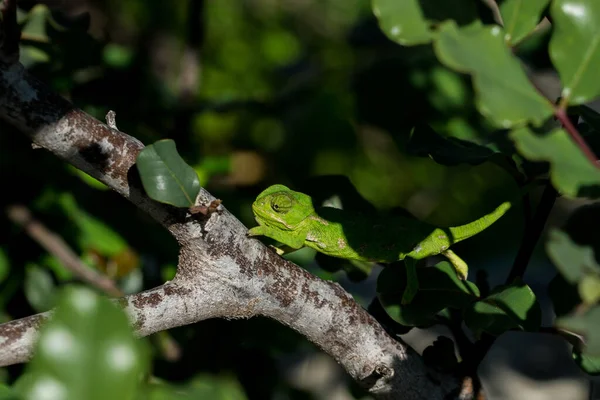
<point x="291" y="218"/>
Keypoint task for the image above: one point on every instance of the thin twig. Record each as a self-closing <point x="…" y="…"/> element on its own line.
<point x="56" y="246"/>
<point x="532" y="233"/>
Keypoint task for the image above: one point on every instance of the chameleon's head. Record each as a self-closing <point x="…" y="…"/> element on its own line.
<point x="280" y="207"/>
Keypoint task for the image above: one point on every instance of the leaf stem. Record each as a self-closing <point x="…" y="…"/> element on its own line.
<point x="533" y="232"/>
<point x="561" y="115"/>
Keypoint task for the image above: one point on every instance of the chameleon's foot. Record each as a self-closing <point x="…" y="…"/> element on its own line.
<point x="256" y="231"/>
<point x="412" y="282"/>
<point x="277" y="250"/>
<point x="461" y="268"/>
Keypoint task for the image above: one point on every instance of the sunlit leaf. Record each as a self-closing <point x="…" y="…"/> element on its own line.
<point x="520" y="17"/>
<point x="571" y="173"/>
<point x="89" y="180"/>
<point x="589" y="364"/>
<point x="410" y="22"/>
<point x="166" y="177"/>
<point x="402" y="21"/>
<point x="504" y="94"/>
<point x="507" y="307"/>
<point x="575" y="48"/>
<point x="86" y="351"/>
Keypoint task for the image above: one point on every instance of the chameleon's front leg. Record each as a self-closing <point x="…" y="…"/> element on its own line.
<point x="289" y="241"/>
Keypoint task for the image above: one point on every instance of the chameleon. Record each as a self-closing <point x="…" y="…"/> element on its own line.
<point x="292" y="219"/>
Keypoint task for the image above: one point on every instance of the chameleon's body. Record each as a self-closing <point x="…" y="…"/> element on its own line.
<point x="291" y="218"/>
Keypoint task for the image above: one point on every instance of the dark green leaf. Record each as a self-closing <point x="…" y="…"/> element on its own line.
<point x="39" y="288"/>
<point x="564" y="296"/>
<point x="575" y="48"/>
<point x="4" y="265"/>
<point x="166" y="176"/>
<point x="439" y="288"/>
<point x="507" y="307"/>
<point x="520" y="17"/>
<point x="504" y="94"/>
<point x="463" y="12"/>
<point x="86" y="351"/>
<point x="585" y="324"/>
<point x="571" y="173"/>
<point x="425" y="142"/>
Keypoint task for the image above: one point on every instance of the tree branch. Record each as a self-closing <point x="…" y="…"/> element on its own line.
<point x="221" y="272"/>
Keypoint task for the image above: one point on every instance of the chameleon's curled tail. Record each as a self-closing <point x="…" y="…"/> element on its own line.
<point x="463" y="232"/>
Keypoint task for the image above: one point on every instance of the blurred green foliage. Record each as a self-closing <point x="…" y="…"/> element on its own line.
<point x="314" y="95"/>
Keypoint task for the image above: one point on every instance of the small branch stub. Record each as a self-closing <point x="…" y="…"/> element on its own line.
<point x="206" y="210"/>
<point x="111" y="120"/>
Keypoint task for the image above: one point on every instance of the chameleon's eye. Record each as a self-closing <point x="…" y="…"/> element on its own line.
<point x="281" y="203"/>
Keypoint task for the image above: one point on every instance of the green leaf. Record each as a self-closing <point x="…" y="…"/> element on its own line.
<point x="163" y="392"/>
<point x="166" y="176"/>
<point x="7" y="393"/>
<point x="507" y="307"/>
<point x="216" y="387"/>
<point x="88" y="179"/>
<point x="589" y="364"/>
<point x="117" y="56"/>
<point x="520" y="17"/>
<point x="573" y="261"/>
<point x="585" y="324"/>
<point x="402" y="21"/>
<point x="86" y="351"/>
<point x="575" y="48"/>
<point x="39" y="288"/>
<point x="4" y="265"/>
<point x="408" y="22"/>
<point x="93" y="234"/>
<point x="589" y="288"/>
<point x="439" y="288"/>
<point x="504" y="94"/>
<point x="571" y="173"/>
